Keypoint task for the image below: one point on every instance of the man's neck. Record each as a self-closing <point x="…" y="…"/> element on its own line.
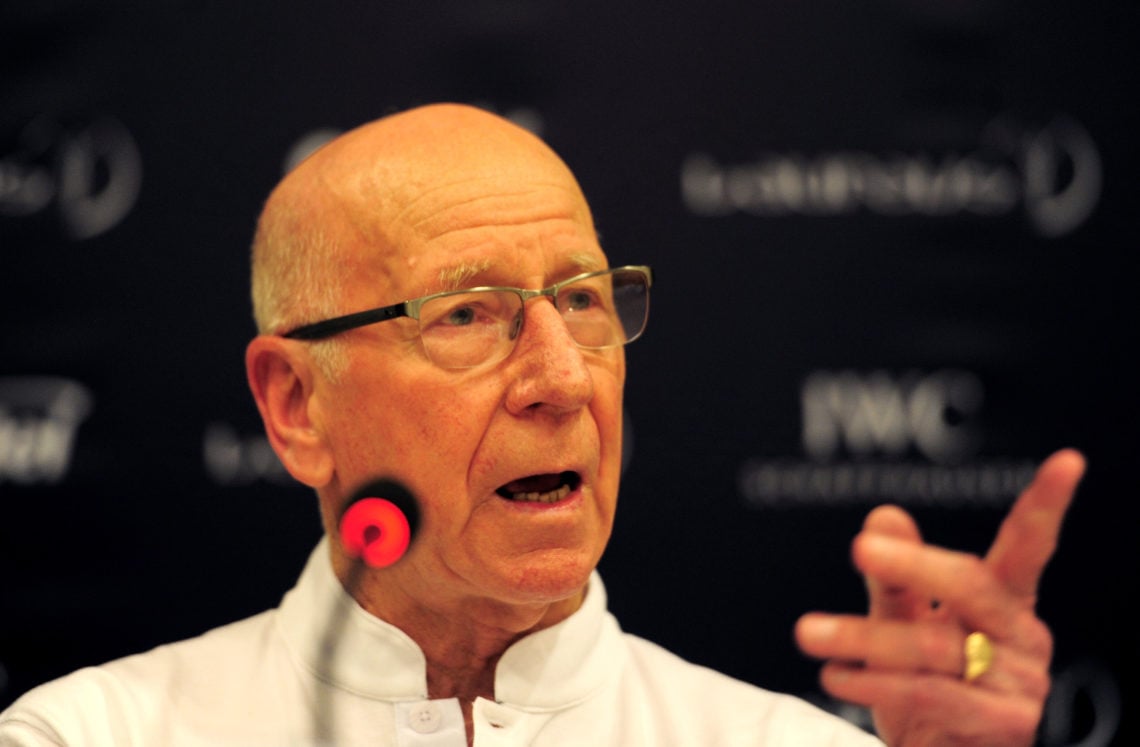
<point x="462" y="639"/>
<point x="462" y="642"/>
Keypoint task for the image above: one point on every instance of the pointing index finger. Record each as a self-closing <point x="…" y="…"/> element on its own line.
<point x="1028" y="535"/>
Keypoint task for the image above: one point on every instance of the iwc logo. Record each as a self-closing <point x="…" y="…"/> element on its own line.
<point x="871" y="436"/>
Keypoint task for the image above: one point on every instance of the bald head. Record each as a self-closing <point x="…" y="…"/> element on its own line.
<point x="364" y="191"/>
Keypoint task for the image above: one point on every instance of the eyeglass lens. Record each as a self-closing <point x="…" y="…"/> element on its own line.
<point x="468" y="328"/>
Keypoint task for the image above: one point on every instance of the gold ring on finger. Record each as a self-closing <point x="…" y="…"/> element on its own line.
<point x="979" y="656"/>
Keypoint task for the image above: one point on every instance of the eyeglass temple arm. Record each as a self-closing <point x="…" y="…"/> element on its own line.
<point x="336" y="325"/>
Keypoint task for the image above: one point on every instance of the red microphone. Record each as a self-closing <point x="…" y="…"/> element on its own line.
<point x="376" y="528"/>
<point x="379" y="523"/>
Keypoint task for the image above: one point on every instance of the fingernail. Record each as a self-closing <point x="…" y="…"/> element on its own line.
<point x="879" y="545"/>
<point x="818" y="628"/>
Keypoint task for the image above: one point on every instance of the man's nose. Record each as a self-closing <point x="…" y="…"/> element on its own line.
<point x="552" y="372"/>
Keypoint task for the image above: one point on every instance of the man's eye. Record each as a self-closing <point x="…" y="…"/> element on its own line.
<point x="579" y="300"/>
<point x="461" y="316"/>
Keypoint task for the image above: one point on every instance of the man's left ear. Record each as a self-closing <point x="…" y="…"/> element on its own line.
<point x="281" y="378"/>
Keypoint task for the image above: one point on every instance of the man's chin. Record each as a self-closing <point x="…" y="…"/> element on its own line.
<point x="555" y="576"/>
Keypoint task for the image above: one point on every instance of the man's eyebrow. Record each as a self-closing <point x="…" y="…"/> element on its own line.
<point x="586" y="263"/>
<point x="461" y="275"/>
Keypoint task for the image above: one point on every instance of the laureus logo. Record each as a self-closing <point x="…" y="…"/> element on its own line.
<point x="39" y="420"/>
<point x="89" y="175"/>
<point x="1053" y="174"/>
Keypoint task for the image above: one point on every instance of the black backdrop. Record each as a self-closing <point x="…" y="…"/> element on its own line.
<point x="892" y="241"/>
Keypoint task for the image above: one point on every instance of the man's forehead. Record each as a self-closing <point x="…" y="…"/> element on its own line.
<point x="396" y="200"/>
<point x="444" y="197"/>
<point x="481" y="242"/>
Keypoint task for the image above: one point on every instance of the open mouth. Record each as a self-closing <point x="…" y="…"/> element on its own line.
<point x="548" y="488"/>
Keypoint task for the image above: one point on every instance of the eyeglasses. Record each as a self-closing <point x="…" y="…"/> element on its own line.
<point x="467" y="328"/>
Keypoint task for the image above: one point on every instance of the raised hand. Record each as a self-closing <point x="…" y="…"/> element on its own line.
<point x="906" y="659"/>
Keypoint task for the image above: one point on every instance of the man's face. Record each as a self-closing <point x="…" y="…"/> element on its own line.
<point x="472" y="443"/>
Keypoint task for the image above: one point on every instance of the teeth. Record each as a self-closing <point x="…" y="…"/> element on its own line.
<point x="550" y="497"/>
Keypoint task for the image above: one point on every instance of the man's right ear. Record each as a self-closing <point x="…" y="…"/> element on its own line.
<point x="282" y="380"/>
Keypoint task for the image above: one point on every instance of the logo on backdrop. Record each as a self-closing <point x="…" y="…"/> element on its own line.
<point x="934" y="414"/>
<point x="89" y="175"/>
<point x="39" y="419"/>
<point x="1051" y="174"/>
<point x="1085" y="706"/>
<point x="870" y="436"/>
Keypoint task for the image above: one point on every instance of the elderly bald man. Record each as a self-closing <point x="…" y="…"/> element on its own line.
<point x="434" y="306"/>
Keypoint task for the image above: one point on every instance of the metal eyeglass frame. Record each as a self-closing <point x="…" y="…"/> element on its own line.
<point x="411" y="309"/>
